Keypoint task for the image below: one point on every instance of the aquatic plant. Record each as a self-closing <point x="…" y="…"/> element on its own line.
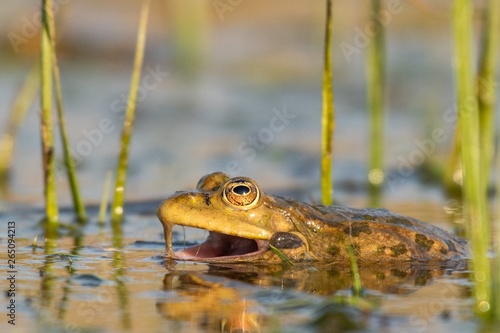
<point x="121" y="170"/>
<point x="376" y="91"/>
<point x="281" y="255"/>
<point x="486" y="96"/>
<point x="356" y="280"/>
<point x="20" y="107"/>
<point x="453" y="168"/>
<point x="328" y="114"/>
<point x="104" y="199"/>
<point x="51" y="208"/>
<point x="356" y="298"/>
<point x="190" y="22"/>
<point x="495" y="287"/>
<point x="68" y="161"/>
<point x="50" y="75"/>
<point x="474" y="189"/>
<point x="487" y="100"/>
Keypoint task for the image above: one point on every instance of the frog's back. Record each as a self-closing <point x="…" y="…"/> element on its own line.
<point x="378" y="234"/>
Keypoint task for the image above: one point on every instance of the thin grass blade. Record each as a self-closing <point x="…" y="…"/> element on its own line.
<point x="20" y="107"/>
<point x="281" y="255"/>
<point x="473" y="184"/>
<point x="52" y="212"/>
<point x="356" y="280"/>
<point x="121" y="171"/>
<point x="328" y="114"/>
<point x="104" y="199"/>
<point x="495" y="290"/>
<point x="486" y="85"/>
<point x="376" y="91"/>
<point x="452" y="187"/>
<point x="487" y="100"/>
<point x="68" y="161"/>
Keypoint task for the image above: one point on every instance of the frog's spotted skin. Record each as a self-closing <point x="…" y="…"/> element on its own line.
<point x="243" y="222"/>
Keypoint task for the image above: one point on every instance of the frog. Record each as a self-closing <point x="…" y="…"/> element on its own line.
<point x="245" y="224"/>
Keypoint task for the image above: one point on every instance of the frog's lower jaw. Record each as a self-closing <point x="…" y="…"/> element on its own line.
<point x="221" y="247"/>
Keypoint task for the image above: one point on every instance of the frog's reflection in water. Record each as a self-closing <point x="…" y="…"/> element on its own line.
<point x="243" y="298"/>
<point x="203" y="304"/>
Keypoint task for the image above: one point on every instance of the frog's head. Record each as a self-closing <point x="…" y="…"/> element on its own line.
<point x="244" y="224"/>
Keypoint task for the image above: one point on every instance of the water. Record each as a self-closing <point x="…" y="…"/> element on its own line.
<point x="201" y="111"/>
<point x="95" y="286"/>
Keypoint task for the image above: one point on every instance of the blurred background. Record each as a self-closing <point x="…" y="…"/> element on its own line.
<point x="217" y="76"/>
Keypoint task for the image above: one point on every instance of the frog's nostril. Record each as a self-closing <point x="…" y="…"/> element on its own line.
<point x="207" y="199"/>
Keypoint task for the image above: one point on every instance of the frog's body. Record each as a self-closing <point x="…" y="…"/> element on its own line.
<point x="245" y="224"/>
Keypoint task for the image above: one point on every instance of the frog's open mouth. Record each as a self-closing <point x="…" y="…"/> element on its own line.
<point x="220" y="246"/>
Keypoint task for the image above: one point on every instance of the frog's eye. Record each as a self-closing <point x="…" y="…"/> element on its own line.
<point x="241" y="192"/>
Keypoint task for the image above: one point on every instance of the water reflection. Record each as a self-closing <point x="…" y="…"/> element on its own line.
<point x="121" y="287"/>
<point x="326" y="279"/>
<point x="206" y="304"/>
<point x="61" y="283"/>
<point x="248" y="298"/>
<point x="89" y="281"/>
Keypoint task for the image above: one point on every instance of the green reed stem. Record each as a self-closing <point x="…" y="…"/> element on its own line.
<point x="376" y="91"/>
<point x="486" y="85"/>
<point x="104" y="199"/>
<point x="189" y="24"/>
<point x="495" y="293"/>
<point x="281" y="255"/>
<point x="487" y="102"/>
<point x="327" y="119"/>
<point x="20" y="107"/>
<point x="357" y="287"/>
<point x="451" y="186"/>
<point x="68" y="161"/>
<point x="46" y="119"/>
<point x="474" y="189"/>
<point x="121" y="171"/>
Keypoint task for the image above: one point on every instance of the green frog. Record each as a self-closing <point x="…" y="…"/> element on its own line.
<point x="246" y="225"/>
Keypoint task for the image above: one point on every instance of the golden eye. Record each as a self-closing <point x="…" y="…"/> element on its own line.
<point x="241" y="192"/>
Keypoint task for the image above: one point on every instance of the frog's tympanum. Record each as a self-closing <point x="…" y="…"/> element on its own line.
<point x="247" y="225"/>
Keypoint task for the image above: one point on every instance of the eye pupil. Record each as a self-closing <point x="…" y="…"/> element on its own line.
<point x="241" y="190"/>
